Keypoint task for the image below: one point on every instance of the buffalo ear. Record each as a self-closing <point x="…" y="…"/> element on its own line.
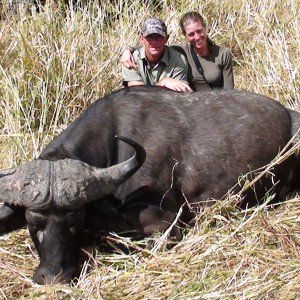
<point x="11" y="218"/>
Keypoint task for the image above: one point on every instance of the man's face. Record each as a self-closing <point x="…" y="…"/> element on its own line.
<point x="154" y="45"/>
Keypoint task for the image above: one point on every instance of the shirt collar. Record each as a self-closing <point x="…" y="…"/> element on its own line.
<point x="165" y="58"/>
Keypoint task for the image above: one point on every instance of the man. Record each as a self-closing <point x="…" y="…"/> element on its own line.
<point x="157" y="64"/>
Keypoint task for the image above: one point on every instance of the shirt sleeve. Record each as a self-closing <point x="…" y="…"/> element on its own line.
<point x="180" y="69"/>
<point x="228" y="70"/>
<point x="131" y="75"/>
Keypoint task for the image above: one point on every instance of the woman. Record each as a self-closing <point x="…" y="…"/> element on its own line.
<point x="210" y="65"/>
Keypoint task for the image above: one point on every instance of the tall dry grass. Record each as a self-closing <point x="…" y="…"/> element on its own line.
<point x="54" y="63"/>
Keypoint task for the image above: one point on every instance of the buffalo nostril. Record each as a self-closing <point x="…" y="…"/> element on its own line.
<point x="42" y="280"/>
<point x="44" y="275"/>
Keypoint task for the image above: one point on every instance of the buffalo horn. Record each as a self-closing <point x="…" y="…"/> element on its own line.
<point x="87" y="183"/>
<point x="27" y="185"/>
<point x="65" y="183"/>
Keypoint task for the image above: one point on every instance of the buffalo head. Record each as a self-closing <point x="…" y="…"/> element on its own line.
<point x="53" y="196"/>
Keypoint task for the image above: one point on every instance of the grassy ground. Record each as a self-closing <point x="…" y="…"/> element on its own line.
<point x="55" y="63"/>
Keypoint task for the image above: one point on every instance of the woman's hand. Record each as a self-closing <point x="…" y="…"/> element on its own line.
<point x="127" y="59"/>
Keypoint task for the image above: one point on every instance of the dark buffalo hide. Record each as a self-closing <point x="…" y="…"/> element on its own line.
<point x="197" y="145"/>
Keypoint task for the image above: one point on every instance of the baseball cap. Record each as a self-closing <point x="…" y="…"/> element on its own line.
<point x="154" y="25"/>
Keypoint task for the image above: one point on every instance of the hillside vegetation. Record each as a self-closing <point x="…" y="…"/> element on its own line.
<point x="55" y="62"/>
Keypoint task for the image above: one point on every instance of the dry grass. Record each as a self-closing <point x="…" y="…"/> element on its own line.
<point x="229" y="254"/>
<point x="54" y="64"/>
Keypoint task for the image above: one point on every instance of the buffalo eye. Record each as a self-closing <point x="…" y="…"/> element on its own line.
<point x="75" y="218"/>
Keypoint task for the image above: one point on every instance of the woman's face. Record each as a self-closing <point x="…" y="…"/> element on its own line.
<point x="195" y="33"/>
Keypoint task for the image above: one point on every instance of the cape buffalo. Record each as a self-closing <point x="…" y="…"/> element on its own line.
<point x="197" y="146"/>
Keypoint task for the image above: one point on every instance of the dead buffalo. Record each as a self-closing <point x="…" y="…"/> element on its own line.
<point x="197" y="145"/>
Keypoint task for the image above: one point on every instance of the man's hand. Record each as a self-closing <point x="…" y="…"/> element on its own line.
<point x="127" y="59"/>
<point x="175" y="85"/>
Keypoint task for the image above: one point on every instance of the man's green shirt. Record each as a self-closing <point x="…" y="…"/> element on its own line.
<point x="172" y="65"/>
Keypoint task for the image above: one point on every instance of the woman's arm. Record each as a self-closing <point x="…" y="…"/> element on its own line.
<point x="127" y="59"/>
<point x="228" y="80"/>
